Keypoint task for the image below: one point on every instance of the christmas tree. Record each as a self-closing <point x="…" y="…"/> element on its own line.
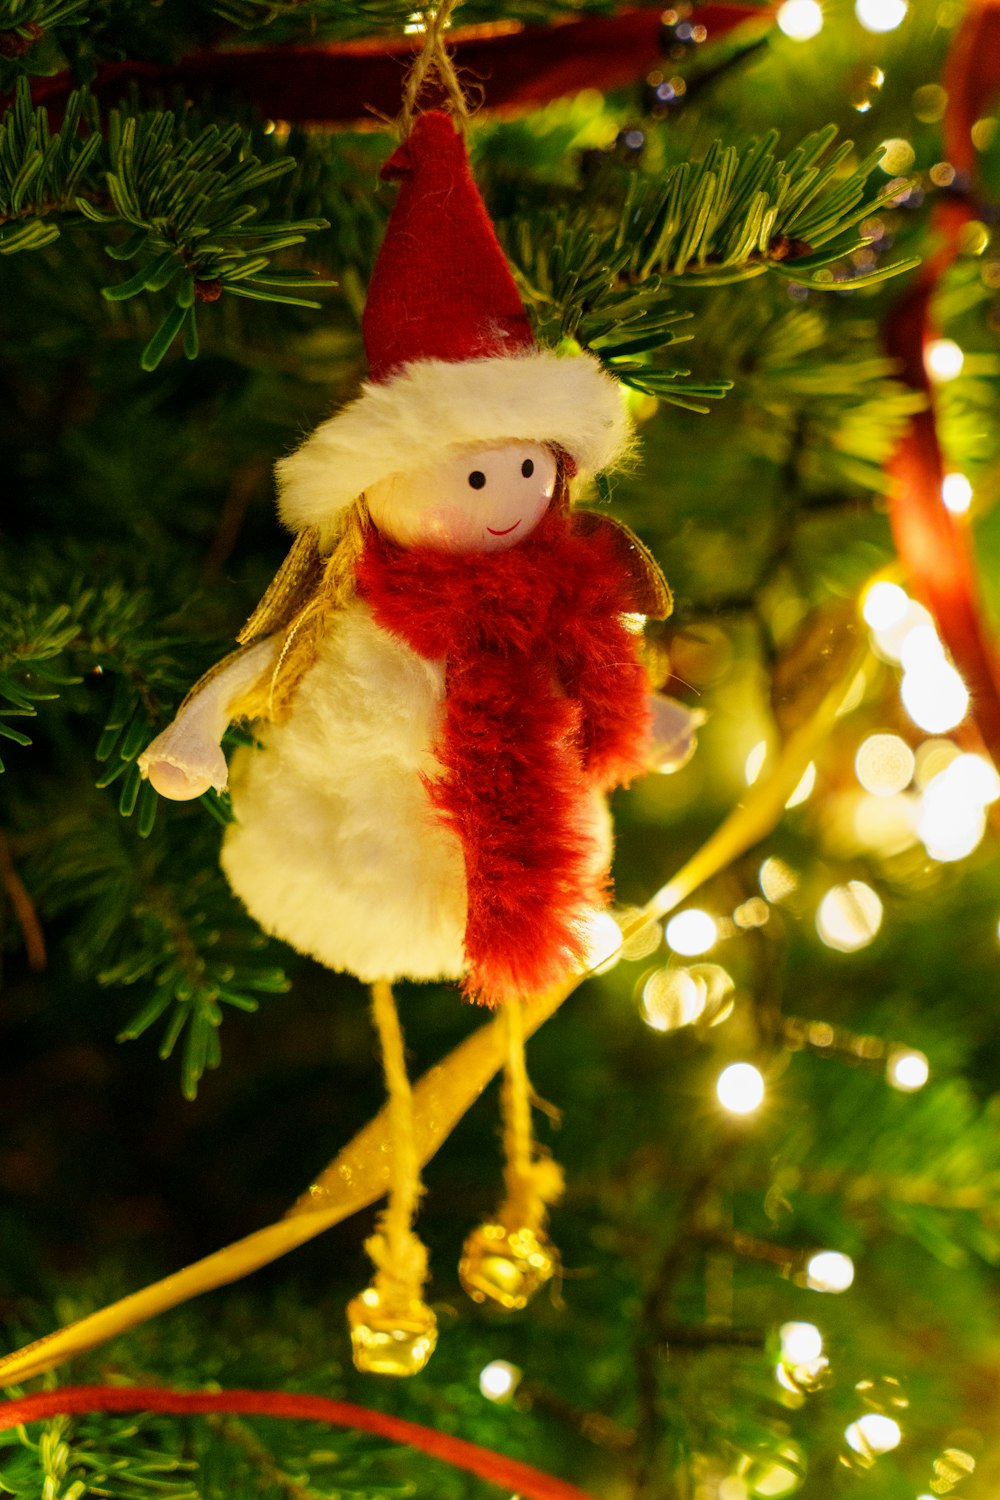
<point x="771" y="1082"/>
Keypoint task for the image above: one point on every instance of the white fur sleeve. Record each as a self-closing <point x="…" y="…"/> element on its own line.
<point x="186" y="759"/>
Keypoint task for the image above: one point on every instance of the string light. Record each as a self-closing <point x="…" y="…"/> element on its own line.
<point x="671" y="998"/>
<point x="907" y="1070"/>
<point x="499" y="1380"/>
<point x="740" y="1088"/>
<point x="880" y="15"/>
<point x="890" y="641"/>
<point x="934" y="695"/>
<point x="829" y="1271"/>
<point x="719" y="989"/>
<point x="646" y="938"/>
<point x="944" y="359"/>
<point x="805" y="787"/>
<point x="884" y="764"/>
<point x="800" y="19"/>
<point x="752" y="913"/>
<point x="952" y="818"/>
<point x="885" y="604"/>
<point x="849" y="916"/>
<point x="800" y="1343"/>
<point x="956" y="492"/>
<point x="777" y="880"/>
<point x="898" y="157"/>
<point x="874" y="1434"/>
<point x="692" y="932"/>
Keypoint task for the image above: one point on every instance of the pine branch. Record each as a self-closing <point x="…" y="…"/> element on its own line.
<point x="601" y="274"/>
<point x="183" y="192"/>
<point x="140" y="921"/>
<point x="31" y="637"/>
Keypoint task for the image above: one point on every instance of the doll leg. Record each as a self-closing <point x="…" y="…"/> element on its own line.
<point x="508" y="1260"/>
<point x="393" y="1331"/>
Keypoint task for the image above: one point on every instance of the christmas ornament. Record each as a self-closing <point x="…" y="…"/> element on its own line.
<point x="443" y="679"/>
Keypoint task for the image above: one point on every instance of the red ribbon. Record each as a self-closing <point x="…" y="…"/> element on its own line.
<point x="509" y="1473"/>
<point x="352" y="83"/>
<point x="933" y="547"/>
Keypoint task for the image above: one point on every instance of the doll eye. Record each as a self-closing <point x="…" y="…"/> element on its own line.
<point x="528" y="468"/>
<point x="477" y="479"/>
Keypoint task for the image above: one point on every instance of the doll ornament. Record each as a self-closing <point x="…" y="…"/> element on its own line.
<point x="444" y="686"/>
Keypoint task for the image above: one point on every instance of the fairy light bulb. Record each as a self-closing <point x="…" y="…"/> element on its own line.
<point x="829" y="1271"/>
<point x="874" y="1434"/>
<point x="943" y="359"/>
<point x="884" y="605"/>
<point x="880" y="15"/>
<point x="800" y="19"/>
<point x="805" y="788"/>
<point x="800" y="1343"/>
<point x="952" y="817"/>
<point x="740" y="1088"/>
<point x="692" y="932"/>
<point x="884" y="764"/>
<point x="907" y="1069"/>
<point x="499" y="1380"/>
<point x="934" y="695"/>
<point x="956" y="492"/>
<point x="849" y="916"/>
<point x="671" y="998"/>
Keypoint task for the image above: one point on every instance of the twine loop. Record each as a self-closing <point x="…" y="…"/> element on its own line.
<point x="433" y="61"/>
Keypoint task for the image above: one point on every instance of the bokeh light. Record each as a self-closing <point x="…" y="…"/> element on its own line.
<point x="956" y="492"/>
<point x="692" y="932"/>
<point x="740" y="1088"/>
<point x="934" y="695"/>
<point x="944" y="359"/>
<point x="777" y="880"/>
<point x="849" y="916"/>
<point x="800" y="1343"/>
<point x="800" y="19"/>
<point x="880" y="15"/>
<point x="805" y="787"/>
<point x="829" y="1271"/>
<point x="874" y="1434"/>
<point x="884" y="764"/>
<point x="671" y="999"/>
<point x="885" y="605"/>
<point x="499" y="1380"/>
<point x="907" y="1069"/>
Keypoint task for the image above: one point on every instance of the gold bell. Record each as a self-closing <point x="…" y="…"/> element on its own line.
<point x="390" y="1339"/>
<point x="506" y="1266"/>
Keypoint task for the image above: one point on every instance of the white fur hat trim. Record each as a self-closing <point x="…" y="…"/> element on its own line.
<point x="411" y="421"/>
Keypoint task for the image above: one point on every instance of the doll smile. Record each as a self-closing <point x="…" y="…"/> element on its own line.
<point x="507" y="532"/>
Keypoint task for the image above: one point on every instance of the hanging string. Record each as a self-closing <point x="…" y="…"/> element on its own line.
<point x="433" y="61"/>
<point x="531" y="1182"/>
<point x="400" y="1257"/>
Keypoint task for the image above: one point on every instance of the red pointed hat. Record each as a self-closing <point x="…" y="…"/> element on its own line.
<point x="441" y="288"/>
<point x="453" y="361"/>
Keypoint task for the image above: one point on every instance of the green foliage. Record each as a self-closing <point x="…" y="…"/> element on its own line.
<point x="734" y="216"/>
<point x="31" y="637"/>
<point x="182" y="191"/>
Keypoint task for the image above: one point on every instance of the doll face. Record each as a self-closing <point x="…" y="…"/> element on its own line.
<point x="474" y="500"/>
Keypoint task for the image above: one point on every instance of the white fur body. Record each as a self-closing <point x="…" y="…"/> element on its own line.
<point x="336" y="848"/>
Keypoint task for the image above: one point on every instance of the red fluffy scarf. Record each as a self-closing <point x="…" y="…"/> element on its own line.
<point x="545" y="707"/>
